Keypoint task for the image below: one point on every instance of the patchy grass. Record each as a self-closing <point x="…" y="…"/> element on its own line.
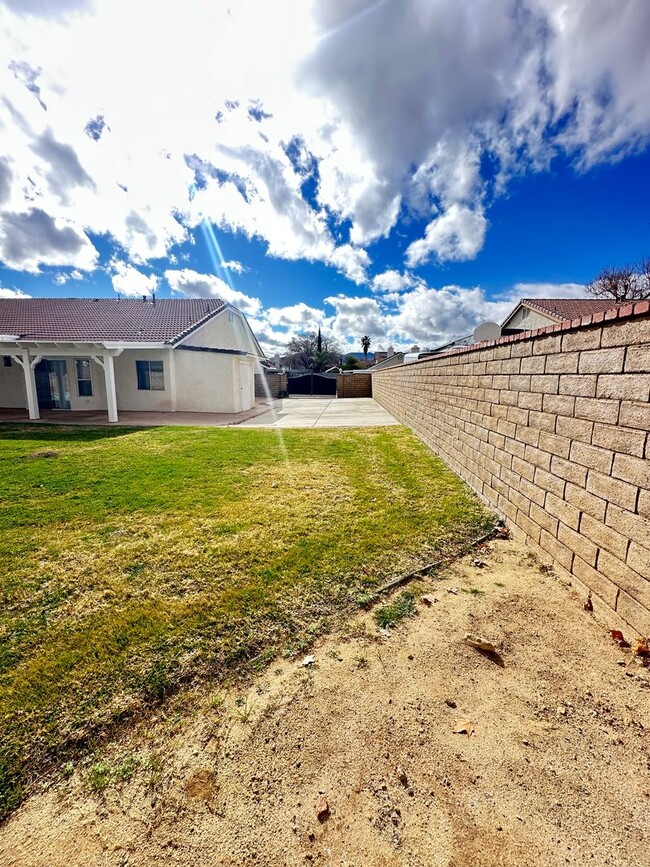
<point x="402" y="606"/>
<point x="137" y="560"/>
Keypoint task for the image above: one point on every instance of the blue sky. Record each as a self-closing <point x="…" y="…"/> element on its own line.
<point x="399" y="169"/>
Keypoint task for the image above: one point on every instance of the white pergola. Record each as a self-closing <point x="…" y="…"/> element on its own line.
<point x="28" y="353"/>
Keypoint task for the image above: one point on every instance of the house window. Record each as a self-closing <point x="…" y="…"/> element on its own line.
<point x="151" y="376"/>
<point x="6" y="360"/>
<point x="84" y="379"/>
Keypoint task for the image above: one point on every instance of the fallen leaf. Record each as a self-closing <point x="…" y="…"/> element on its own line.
<point x="309" y="660"/>
<point x="464" y="726"/>
<point x="453" y="590"/>
<point x="479" y="564"/>
<point x="619" y="638"/>
<point x="642" y="647"/>
<point x="480" y="643"/>
<point x="428" y="600"/>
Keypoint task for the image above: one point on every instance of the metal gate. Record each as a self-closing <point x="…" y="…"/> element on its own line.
<point x="310" y="383"/>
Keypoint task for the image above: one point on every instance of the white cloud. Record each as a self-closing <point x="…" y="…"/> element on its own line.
<point x="34" y="238"/>
<point x="456" y="235"/>
<point x="549" y="290"/>
<point x="13" y="293"/>
<point x="130" y="282"/>
<point x="233" y="265"/>
<point x="351" y="117"/>
<point x="191" y="284"/>
<point x="296" y="317"/>
<point x="392" y="281"/>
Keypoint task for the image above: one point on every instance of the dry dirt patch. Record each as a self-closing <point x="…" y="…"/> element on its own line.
<point x="556" y="770"/>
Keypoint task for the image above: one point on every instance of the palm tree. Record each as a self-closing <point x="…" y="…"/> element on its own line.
<point x="365" y="346"/>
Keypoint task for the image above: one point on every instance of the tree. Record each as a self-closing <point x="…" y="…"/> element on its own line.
<point x="303" y="352"/>
<point x="351" y="363"/>
<point x="365" y="346"/>
<point x="622" y="283"/>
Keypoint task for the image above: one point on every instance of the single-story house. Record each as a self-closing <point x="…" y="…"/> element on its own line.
<point x="161" y="355"/>
<point x="533" y="313"/>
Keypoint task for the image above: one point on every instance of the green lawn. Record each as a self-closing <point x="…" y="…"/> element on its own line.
<point x="133" y="561"/>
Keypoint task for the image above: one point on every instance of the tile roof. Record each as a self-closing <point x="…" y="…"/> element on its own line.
<point x="104" y="319"/>
<point x="568" y="308"/>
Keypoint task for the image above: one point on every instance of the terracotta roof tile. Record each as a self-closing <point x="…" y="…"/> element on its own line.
<point x="112" y="319"/>
<point x="569" y="308"/>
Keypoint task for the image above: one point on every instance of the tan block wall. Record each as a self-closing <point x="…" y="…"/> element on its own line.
<point x="552" y="430"/>
<point x="276" y="382"/>
<point x="354" y="385"/>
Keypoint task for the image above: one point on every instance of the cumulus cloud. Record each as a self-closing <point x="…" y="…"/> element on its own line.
<point x="233" y="265"/>
<point x="456" y="235"/>
<point x="356" y="117"/>
<point x="191" y="284"/>
<point x="131" y="282"/>
<point x="31" y="239"/>
<point x="48" y="8"/>
<point x="297" y="317"/>
<point x="64" y="169"/>
<point x="5" y="180"/>
<point x="392" y="281"/>
<point x="13" y="293"/>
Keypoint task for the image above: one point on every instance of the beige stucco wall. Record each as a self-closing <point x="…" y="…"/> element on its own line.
<point x="129" y="397"/>
<point x="204" y="381"/>
<point x="12" y="386"/>
<point x="533" y="320"/>
<point x="227" y="330"/>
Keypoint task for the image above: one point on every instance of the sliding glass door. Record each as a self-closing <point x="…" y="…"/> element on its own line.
<point x="52" y="384"/>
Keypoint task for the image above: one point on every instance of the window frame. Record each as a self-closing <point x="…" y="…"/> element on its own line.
<point x="88" y="378"/>
<point x="144" y="371"/>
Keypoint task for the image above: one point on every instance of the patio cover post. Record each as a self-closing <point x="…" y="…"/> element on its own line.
<point x="30" y="381"/>
<point x="111" y="395"/>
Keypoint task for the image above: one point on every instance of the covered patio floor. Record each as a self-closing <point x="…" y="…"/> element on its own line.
<point x="286" y="413"/>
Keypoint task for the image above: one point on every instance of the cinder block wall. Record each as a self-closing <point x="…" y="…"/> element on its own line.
<point x="552" y="429"/>
<point x="354" y="385"/>
<point x="277" y="383"/>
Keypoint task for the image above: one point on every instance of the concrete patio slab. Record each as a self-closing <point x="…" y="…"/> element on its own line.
<point x="287" y="413"/>
<point x="323" y="412"/>
<point x="135" y="419"/>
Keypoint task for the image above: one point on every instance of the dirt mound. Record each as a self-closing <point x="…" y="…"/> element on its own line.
<point x="354" y="759"/>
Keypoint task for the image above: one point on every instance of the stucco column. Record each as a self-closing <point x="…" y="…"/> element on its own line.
<point x="30" y="385"/>
<point x="111" y="395"/>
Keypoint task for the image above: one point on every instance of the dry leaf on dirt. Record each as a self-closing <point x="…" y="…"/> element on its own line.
<point x="309" y="660"/>
<point x="428" y="600"/>
<point x="619" y="638"/>
<point x="453" y="590"/>
<point x="464" y="726"/>
<point x="642" y="647"/>
<point x="480" y="643"/>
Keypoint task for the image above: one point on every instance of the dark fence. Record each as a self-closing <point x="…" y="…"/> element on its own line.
<point x="310" y="383"/>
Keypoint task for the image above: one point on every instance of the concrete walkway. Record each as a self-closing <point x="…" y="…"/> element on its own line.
<point x="323" y="412"/>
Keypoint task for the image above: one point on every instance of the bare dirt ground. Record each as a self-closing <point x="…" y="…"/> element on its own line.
<point x="556" y="771"/>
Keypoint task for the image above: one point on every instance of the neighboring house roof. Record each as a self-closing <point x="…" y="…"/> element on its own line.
<point x="392" y="360"/>
<point x="105" y="319"/>
<point x="561" y="309"/>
